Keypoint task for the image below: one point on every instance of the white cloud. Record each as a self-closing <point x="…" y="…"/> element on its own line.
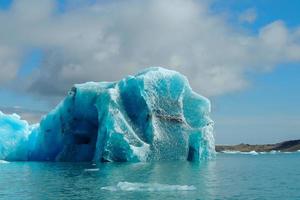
<point x="106" y="41"/>
<point x="9" y="63"/>
<point x="248" y="16"/>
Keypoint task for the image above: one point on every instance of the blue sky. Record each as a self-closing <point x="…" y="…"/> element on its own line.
<point x="273" y="97"/>
<point x="267" y="10"/>
<point x="254" y="104"/>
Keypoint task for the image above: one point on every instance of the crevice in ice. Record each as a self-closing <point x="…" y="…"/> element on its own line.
<point x="136" y="108"/>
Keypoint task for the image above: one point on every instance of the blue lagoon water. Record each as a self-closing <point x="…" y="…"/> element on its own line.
<point x="229" y="176"/>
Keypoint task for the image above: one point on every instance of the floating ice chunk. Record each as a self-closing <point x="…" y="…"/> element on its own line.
<point x="154" y="115"/>
<point x="230" y="152"/>
<point x="151" y="187"/>
<point x="251" y="153"/>
<point x="92" y="170"/>
<point x="3" y="162"/>
<point x="241" y="152"/>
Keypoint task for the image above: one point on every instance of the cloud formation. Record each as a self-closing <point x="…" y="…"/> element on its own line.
<point x="248" y="16"/>
<point x="105" y="41"/>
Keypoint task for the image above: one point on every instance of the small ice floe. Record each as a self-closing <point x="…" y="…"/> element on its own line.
<point x="151" y="187"/>
<point x="274" y="152"/>
<point x="91" y="170"/>
<point x="291" y="152"/>
<point x="241" y="152"/>
<point x="231" y="152"/>
<point x="251" y="153"/>
<point x="3" y="162"/>
<point x="258" y="153"/>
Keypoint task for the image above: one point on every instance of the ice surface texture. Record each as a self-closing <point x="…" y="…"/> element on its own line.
<point x="153" y="115"/>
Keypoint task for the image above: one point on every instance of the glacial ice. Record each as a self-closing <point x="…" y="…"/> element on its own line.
<point x="153" y="115"/>
<point x="14" y="134"/>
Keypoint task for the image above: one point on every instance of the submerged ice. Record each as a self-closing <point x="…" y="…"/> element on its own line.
<point x="153" y="115"/>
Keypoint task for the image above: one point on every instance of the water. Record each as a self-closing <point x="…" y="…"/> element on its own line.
<point x="229" y="176"/>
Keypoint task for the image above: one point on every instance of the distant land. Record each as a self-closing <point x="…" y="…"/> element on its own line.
<point x="287" y="146"/>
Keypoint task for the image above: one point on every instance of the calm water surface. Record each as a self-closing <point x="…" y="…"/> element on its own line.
<point x="227" y="177"/>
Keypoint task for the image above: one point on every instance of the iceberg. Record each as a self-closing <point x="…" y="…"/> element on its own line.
<point x="14" y="137"/>
<point x="153" y="115"/>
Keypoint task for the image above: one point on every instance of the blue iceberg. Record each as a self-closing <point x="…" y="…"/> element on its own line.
<point x="153" y="115"/>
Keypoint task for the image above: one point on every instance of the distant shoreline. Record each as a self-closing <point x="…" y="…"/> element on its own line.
<point x="286" y="146"/>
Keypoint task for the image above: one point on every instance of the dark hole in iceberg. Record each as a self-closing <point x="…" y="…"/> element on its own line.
<point x="82" y="139"/>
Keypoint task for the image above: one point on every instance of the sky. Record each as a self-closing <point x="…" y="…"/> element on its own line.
<point x="243" y="55"/>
